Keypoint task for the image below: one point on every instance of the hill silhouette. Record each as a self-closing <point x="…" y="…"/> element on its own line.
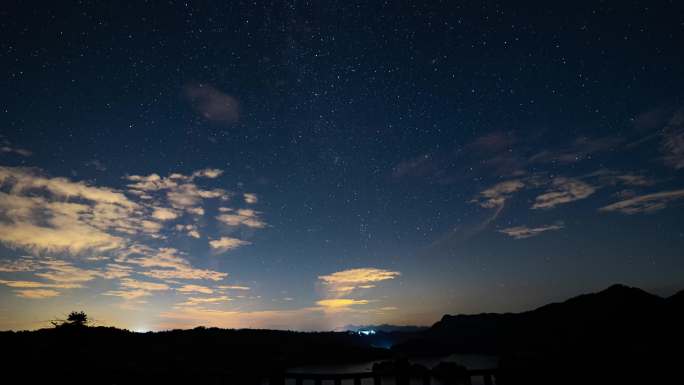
<point x="600" y="319"/>
<point x="200" y="355"/>
<point x="605" y="332"/>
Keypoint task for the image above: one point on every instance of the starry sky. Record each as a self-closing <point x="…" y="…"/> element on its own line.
<point x="309" y="165"/>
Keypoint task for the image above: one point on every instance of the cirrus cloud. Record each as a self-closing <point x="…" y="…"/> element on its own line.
<point x="523" y="232"/>
<point x="648" y="203"/>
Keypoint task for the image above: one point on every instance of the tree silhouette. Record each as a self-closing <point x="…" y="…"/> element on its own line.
<point x="74" y="319"/>
<point x="78" y="318"/>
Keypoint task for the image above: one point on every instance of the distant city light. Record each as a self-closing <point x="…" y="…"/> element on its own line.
<point x="367" y="332"/>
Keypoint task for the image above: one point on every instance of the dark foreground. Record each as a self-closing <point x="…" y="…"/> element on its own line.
<point x="618" y="336"/>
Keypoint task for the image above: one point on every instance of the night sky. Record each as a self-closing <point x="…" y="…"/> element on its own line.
<point x="309" y="165"/>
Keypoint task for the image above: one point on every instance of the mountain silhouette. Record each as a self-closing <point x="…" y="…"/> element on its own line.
<point x="598" y="319"/>
<point x="604" y="332"/>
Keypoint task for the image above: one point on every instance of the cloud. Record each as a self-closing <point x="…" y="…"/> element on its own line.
<point x="143" y="285"/>
<point x="97" y="165"/>
<point x="128" y="294"/>
<point x="114" y="271"/>
<point x="193" y="301"/>
<point x="34" y="284"/>
<point x="213" y="104"/>
<point x="232" y="287"/>
<point x="37" y="293"/>
<point x="195" y="289"/>
<point x="210" y="173"/>
<point x="522" y="232"/>
<point x="24" y="179"/>
<point x="496" y="141"/>
<point x="634" y="180"/>
<point x="224" y="244"/>
<point x="605" y="177"/>
<point x="348" y="280"/>
<point x="180" y="190"/>
<point x="563" y="190"/>
<point x="6" y="149"/>
<point x="645" y="203"/>
<point x="45" y="214"/>
<point x="134" y="289"/>
<point x="673" y="141"/>
<point x="164" y="214"/>
<point x="416" y="167"/>
<point x="496" y="196"/>
<point x="340" y="303"/>
<point x="98" y="225"/>
<point x="169" y="265"/>
<point x="62" y="274"/>
<point x="581" y="148"/>
<point x="40" y="225"/>
<point x="250" y="198"/>
<point x="241" y="217"/>
<point x="190" y="230"/>
<point x="150" y="226"/>
<point x="19" y="265"/>
<point x="66" y="272"/>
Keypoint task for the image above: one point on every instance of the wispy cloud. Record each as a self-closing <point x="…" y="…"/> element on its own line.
<point x="340" y="303"/>
<point x="580" y="149"/>
<point x="522" y="232"/>
<point x="97" y="165"/>
<point x="167" y="264"/>
<point x="416" y="167"/>
<point x="224" y="244"/>
<point x="195" y="289"/>
<point x="241" y="217"/>
<point x="193" y="301"/>
<point x="19" y="265"/>
<point x="645" y="203"/>
<point x="250" y="198"/>
<point x="60" y="274"/>
<point x="673" y="140"/>
<point x="143" y="285"/>
<point x="496" y="195"/>
<point x="6" y="147"/>
<point x="232" y="287"/>
<point x="14" y="150"/>
<point x="34" y="284"/>
<point x="180" y="191"/>
<point x="128" y="294"/>
<point x="212" y="104"/>
<point x="37" y="293"/>
<point x="133" y="289"/>
<point x="563" y="190"/>
<point x="348" y="280"/>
